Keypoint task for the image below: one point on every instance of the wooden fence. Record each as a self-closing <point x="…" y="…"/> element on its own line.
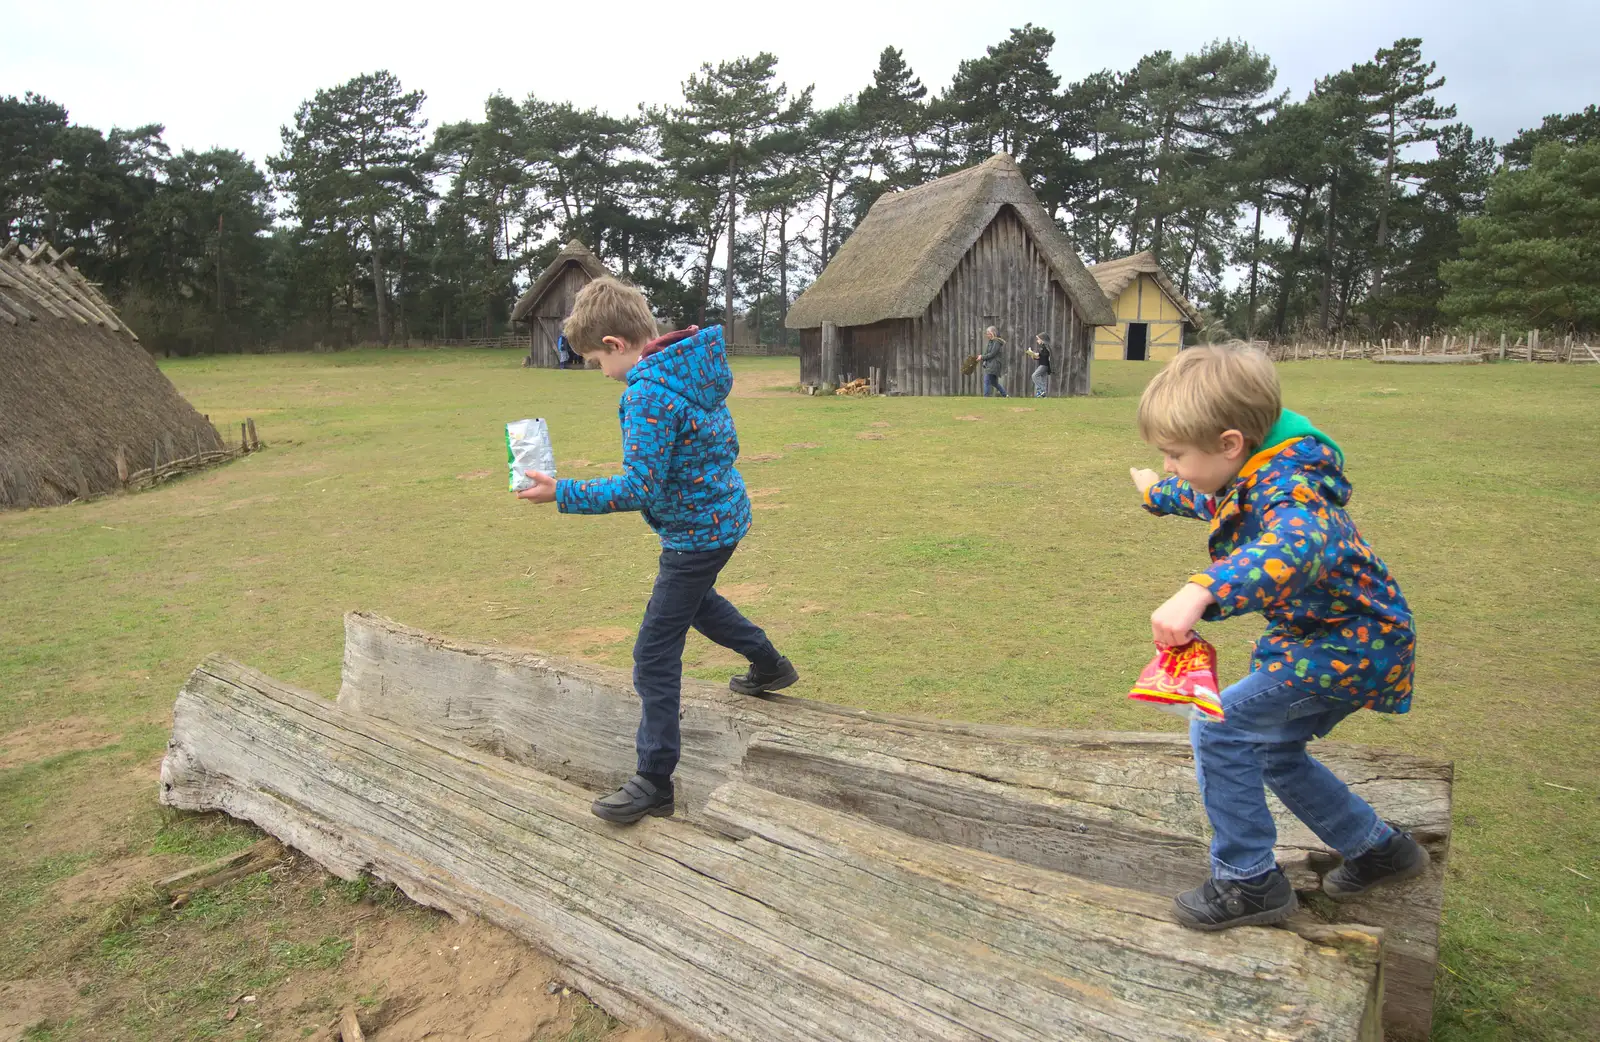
<point x="763" y="350"/>
<point x="1530" y="347"/>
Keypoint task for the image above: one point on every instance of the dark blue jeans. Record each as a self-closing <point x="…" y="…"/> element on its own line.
<point x="1261" y="741"/>
<point x="992" y="380"/>
<point x="684" y="596"/>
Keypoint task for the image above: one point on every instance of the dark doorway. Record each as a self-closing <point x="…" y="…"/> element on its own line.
<point x="1138" y="337"/>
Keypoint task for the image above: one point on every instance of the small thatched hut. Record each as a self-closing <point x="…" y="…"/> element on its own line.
<point x="77" y="389"/>
<point x="548" y="301"/>
<point x="911" y="291"/>
<point x="1151" y="314"/>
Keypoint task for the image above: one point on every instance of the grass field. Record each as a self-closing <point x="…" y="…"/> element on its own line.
<point x="967" y="558"/>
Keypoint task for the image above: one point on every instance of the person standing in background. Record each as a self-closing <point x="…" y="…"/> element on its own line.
<point x="1040" y="353"/>
<point x="993" y="348"/>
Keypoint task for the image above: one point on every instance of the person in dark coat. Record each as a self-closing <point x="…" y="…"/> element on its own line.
<point x="1040" y="353"/>
<point x="993" y="364"/>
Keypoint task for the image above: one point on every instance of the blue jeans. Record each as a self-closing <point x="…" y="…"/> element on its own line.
<point x="1262" y="740"/>
<point x="993" y="380"/>
<point x="1041" y="381"/>
<point x="683" y="597"/>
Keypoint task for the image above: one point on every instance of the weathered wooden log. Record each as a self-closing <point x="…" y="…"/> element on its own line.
<point x="815" y="924"/>
<point x="1115" y="808"/>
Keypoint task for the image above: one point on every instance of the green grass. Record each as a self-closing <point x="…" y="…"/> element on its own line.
<point x="992" y="569"/>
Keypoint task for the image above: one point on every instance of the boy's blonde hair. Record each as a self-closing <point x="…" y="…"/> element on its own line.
<point x="609" y="307"/>
<point x="1208" y="390"/>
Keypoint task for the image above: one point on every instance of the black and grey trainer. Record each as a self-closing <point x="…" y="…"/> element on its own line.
<point x="637" y="798"/>
<point x="1218" y="904"/>
<point x="1399" y="857"/>
<point x="756" y="681"/>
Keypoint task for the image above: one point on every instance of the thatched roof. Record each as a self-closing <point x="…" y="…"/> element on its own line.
<point x="1114" y="276"/>
<point x="902" y="254"/>
<point x="574" y="252"/>
<point x="75" y="385"/>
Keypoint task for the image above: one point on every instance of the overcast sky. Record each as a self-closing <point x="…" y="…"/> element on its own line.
<point x="229" y="73"/>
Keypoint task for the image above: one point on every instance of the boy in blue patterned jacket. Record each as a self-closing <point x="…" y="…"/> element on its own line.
<point x="678" y="450"/>
<point x="1339" y="635"/>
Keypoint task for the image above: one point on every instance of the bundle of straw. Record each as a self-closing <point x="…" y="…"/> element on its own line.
<point x="970" y="366"/>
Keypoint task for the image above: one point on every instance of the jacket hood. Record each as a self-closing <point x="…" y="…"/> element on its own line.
<point x="1311" y="452"/>
<point x="691" y="363"/>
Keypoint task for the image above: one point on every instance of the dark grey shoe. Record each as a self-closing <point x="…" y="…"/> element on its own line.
<point x="1219" y="904"/>
<point x="637" y="798"/>
<point x="765" y="681"/>
<point x="1400" y="857"/>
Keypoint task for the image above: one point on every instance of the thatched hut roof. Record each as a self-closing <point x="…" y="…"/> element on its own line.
<point x="902" y="254"/>
<point x="1114" y="276"/>
<point x="574" y="252"/>
<point x="75" y="385"/>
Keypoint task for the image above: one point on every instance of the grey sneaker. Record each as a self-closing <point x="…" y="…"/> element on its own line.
<point x="1219" y="904"/>
<point x="1399" y="857"/>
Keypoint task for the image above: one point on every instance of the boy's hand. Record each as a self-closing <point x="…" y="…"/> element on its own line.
<point x="1173" y="622"/>
<point x="543" y="490"/>
<point x="1143" y="478"/>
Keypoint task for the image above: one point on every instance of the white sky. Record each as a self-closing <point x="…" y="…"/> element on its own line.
<point x="229" y="73"/>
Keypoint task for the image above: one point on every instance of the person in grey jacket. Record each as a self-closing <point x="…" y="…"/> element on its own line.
<point x="992" y="363"/>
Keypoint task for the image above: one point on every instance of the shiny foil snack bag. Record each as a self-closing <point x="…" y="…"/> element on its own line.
<point x="1182" y="680"/>
<point x="528" y="448"/>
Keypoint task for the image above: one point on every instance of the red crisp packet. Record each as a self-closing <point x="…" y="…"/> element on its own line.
<point x="1182" y="679"/>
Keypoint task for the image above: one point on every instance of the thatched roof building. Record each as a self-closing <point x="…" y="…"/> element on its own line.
<point x="1151" y="314"/>
<point x="914" y="286"/>
<point x="76" y="386"/>
<point x="548" y="302"/>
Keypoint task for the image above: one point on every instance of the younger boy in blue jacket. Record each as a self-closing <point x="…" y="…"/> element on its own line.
<point x="1339" y="636"/>
<point x="678" y="451"/>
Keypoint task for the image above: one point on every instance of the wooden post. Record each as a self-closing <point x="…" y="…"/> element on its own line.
<point x="122" y="465"/>
<point x="244" y="438"/>
<point x="155" y="456"/>
<point x="255" y="442"/>
<point x="1502" y="347"/>
<point x="830" y="353"/>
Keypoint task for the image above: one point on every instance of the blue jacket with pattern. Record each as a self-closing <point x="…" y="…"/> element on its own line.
<point x="678" y="448"/>
<point x="1283" y="545"/>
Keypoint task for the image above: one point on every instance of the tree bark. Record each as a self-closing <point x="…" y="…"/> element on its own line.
<point x="733" y="227"/>
<point x="1292" y="275"/>
<point x="783" y="274"/>
<point x="379" y="289"/>
<point x="1255" y="268"/>
<point x="1330" y="245"/>
<point x="1383" y="210"/>
<point x="779" y="919"/>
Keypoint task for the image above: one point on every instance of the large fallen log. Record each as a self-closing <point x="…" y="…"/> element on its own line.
<point x="815" y="924"/>
<point x="1115" y="808"/>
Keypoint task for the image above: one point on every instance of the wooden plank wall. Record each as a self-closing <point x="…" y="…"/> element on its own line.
<point x="811" y="356"/>
<point x="555" y="305"/>
<point x="1005" y="276"/>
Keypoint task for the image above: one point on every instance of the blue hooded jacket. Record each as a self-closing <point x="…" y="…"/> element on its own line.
<point x="1282" y="545"/>
<point x="678" y="448"/>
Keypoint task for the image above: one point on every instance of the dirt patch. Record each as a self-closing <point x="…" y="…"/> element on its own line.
<point x="970" y="418"/>
<point x="474" y="475"/>
<point x="104" y="884"/>
<point x="1023" y="408"/>
<point x="811" y="609"/>
<point x="869" y="436"/>
<point x="803" y="445"/>
<point x="575" y="463"/>
<point x="769" y="506"/>
<point x="25" y="1003"/>
<point x="42" y="741"/>
<point x="738" y="593"/>
<point x="757" y="493"/>
<point x="469" y="981"/>
<point x="589" y="636"/>
<point x="880" y="423"/>
<point x="765" y="384"/>
<point x="761" y="457"/>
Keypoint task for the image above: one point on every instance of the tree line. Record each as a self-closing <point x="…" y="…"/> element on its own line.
<point x="1364" y="205"/>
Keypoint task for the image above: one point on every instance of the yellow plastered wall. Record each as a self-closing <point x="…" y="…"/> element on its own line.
<point x="1142" y="301"/>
